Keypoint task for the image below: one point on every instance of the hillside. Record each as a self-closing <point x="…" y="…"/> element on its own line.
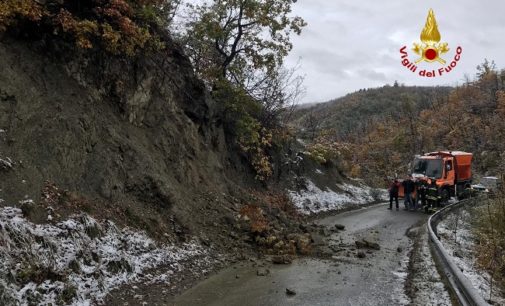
<point x="121" y="141"/>
<point x="358" y="111"/>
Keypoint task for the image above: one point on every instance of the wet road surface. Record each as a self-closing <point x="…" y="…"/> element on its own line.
<point x="377" y="279"/>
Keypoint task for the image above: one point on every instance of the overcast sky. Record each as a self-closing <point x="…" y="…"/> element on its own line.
<point x="353" y="44"/>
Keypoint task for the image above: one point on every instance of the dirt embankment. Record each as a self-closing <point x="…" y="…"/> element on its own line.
<point x="135" y="141"/>
<point x="138" y="141"/>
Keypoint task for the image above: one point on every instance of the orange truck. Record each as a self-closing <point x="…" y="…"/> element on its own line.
<point x="449" y="171"/>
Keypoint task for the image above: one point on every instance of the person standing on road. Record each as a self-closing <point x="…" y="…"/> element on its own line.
<point x="393" y="194"/>
<point x="421" y="191"/>
<point x="408" y="188"/>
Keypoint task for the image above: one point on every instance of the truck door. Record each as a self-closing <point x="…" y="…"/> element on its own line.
<point x="449" y="172"/>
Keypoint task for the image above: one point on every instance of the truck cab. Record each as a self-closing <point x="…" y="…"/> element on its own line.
<point x="450" y="171"/>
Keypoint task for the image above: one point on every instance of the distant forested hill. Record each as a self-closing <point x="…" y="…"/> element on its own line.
<point x="359" y="111"/>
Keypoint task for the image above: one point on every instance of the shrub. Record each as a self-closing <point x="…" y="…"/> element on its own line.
<point x="241" y="118"/>
<point x="254" y="140"/>
<point x="376" y="194"/>
<point x="258" y="222"/>
<point x="277" y="200"/>
<point x="490" y="233"/>
<point x="324" y="151"/>
<point x="118" y="26"/>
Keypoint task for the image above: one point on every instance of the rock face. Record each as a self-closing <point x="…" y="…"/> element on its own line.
<point x="140" y="134"/>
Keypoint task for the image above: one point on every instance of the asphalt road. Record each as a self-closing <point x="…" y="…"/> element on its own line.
<point x="377" y="279"/>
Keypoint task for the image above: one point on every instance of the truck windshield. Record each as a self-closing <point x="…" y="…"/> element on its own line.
<point x="428" y="167"/>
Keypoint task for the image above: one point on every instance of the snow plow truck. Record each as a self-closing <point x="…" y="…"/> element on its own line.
<point x="447" y="172"/>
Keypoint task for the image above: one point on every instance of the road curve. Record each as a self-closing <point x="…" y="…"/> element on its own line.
<point x="377" y="279"/>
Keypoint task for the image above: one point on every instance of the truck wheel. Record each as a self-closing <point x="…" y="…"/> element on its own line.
<point x="464" y="192"/>
<point x="445" y="196"/>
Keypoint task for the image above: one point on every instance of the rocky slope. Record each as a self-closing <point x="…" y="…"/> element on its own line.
<point x="134" y="144"/>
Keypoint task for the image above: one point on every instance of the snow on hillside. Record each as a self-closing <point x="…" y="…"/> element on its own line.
<point x="80" y="260"/>
<point x="314" y="200"/>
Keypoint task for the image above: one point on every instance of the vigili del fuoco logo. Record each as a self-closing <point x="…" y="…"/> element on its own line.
<point x="431" y="51"/>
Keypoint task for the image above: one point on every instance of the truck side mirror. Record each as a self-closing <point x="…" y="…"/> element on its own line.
<point x="448" y="167"/>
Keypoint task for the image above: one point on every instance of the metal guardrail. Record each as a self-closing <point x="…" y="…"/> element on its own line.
<point x="462" y="287"/>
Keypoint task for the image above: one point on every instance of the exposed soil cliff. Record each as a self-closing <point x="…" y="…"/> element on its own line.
<point x="130" y="139"/>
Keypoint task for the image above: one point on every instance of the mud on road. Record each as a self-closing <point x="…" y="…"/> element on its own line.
<point x="372" y="271"/>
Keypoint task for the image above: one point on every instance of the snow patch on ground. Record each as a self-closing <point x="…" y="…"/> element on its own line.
<point x="313" y="200"/>
<point x="399" y="296"/>
<point x="80" y="260"/>
<point x="427" y="287"/>
<point x="6" y="163"/>
<point x="301" y="141"/>
<point x="458" y="240"/>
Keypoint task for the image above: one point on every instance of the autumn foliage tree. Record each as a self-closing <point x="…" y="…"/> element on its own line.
<point x="227" y="38"/>
<point x="238" y="48"/>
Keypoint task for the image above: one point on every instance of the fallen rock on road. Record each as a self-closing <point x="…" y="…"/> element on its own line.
<point x="340" y="227"/>
<point x="262" y="272"/>
<point x="365" y="244"/>
<point x="290" y="292"/>
<point x="282" y="259"/>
